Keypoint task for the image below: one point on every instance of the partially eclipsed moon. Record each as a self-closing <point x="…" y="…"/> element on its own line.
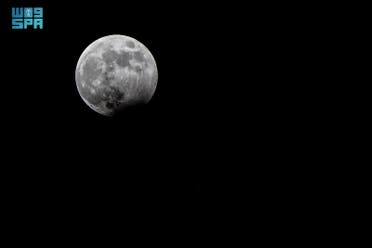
<point x="115" y="72"/>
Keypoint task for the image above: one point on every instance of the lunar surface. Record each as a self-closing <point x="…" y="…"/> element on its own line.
<point x="115" y="72"/>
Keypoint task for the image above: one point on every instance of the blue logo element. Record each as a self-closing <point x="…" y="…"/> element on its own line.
<point x="23" y="18"/>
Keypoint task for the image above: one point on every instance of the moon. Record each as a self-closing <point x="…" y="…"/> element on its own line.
<point x="116" y="72"/>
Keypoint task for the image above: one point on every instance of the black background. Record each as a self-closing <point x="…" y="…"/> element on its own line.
<point x="228" y="95"/>
<point x="167" y="151"/>
<point x="239" y="105"/>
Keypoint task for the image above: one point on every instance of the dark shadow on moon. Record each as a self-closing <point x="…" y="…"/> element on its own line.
<point x="129" y="111"/>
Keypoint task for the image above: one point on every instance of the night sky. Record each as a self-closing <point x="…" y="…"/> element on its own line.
<point x="57" y="140"/>
<point x="237" y="117"/>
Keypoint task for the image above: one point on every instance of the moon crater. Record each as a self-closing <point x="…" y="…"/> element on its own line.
<point x="115" y="72"/>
